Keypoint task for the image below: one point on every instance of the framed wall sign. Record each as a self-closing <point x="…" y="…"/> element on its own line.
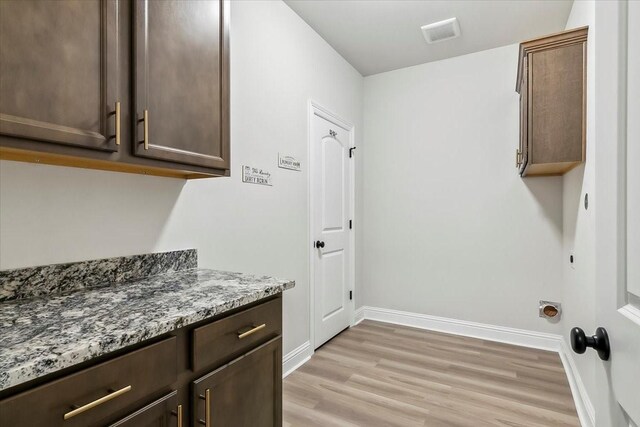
<point x="256" y="176"/>
<point x="288" y="162"/>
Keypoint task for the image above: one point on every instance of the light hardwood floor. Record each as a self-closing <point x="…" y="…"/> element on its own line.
<point x="379" y="374"/>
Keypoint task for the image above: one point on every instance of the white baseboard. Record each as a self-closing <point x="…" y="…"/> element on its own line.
<point x="586" y="413"/>
<point x="520" y="337"/>
<point x="296" y="358"/>
<point x="358" y="316"/>
<point x="483" y="331"/>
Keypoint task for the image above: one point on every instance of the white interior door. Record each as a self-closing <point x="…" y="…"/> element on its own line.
<point x="617" y="209"/>
<point x="331" y="207"/>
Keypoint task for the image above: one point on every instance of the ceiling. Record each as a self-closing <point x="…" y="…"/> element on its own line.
<point x="383" y="35"/>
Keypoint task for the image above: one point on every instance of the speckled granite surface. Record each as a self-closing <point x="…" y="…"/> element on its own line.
<point x="61" y="278"/>
<point x="43" y="335"/>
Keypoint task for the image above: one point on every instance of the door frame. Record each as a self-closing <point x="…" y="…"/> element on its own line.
<point x="314" y="108"/>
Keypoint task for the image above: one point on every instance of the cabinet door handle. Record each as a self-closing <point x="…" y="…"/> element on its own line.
<point x="146" y="129"/>
<point x="118" y="123"/>
<point x="207" y="409"/>
<point x="97" y="402"/>
<point x="518" y="161"/>
<point x="251" y="331"/>
<point x="178" y="414"/>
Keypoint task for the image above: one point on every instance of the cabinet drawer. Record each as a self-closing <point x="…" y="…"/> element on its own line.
<point x="229" y="337"/>
<point x="89" y="396"/>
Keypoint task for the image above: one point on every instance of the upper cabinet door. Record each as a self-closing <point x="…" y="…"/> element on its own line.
<point x="59" y="71"/>
<point x="181" y="66"/>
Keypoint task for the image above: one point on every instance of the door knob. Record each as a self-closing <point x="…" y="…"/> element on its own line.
<point x="319" y="244"/>
<point x="599" y="342"/>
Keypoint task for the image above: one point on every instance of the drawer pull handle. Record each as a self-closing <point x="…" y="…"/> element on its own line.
<point x="179" y="415"/>
<point x="97" y="402"/>
<point x="251" y="331"/>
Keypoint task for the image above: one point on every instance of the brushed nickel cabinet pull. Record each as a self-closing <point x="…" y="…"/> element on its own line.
<point x="97" y="402"/>
<point x="118" y="123"/>
<point x="179" y="415"/>
<point x="251" y="331"/>
<point x="518" y="161"/>
<point x="207" y="409"/>
<point x="146" y="129"/>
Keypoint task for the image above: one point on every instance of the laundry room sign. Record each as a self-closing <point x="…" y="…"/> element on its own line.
<point x="256" y="176"/>
<point x="288" y="162"/>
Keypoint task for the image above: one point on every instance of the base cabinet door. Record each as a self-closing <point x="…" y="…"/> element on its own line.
<point x="59" y="68"/>
<point x="164" y="412"/>
<point x="246" y="392"/>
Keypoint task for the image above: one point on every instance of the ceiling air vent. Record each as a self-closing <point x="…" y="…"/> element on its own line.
<point x="442" y="30"/>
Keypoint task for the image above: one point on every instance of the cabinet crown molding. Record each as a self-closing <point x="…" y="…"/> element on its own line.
<point x="563" y="38"/>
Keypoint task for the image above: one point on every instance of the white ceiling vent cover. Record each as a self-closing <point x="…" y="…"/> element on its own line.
<point x="442" y="30"/>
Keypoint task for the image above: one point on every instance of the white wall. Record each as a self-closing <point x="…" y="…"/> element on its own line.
<point x="579" y="224"/>
<point x="450" y="228"/>
<point x="54" y="214"/>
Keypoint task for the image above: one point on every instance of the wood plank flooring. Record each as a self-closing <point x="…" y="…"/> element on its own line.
<point x="379" y="374"/>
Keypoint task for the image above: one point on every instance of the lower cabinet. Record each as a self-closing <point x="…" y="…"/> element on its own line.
<point x="164" y="412"/>
<point x="245" y="392"/>
<point x="225" y="371"/>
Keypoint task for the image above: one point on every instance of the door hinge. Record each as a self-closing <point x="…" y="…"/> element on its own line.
<point x="350" y="224"/>
<point x="351" y="151"/>
<point x="350" y="295"/>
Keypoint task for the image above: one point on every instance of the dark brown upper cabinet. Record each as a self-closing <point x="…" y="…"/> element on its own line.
<point x="181" y="63"/>
<point x="79" y="77"/>
<point x="552" y="79"/>
<point x="59" y="72"/>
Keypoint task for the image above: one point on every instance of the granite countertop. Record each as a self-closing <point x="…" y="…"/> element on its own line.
<point x="43" y="335"/>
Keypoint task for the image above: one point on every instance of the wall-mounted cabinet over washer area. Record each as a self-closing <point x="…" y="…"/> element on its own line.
<point x="552" y="82"/>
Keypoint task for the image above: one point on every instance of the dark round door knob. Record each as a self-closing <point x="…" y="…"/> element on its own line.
<point x="319" y="244"/>
<point x="599" y="342"/>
